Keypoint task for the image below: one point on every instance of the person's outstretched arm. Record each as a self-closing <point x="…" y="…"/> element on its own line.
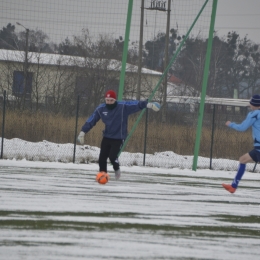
<point x="91" y="122"/>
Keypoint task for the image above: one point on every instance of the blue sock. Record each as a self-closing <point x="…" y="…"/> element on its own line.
<point x="239" y="175"/>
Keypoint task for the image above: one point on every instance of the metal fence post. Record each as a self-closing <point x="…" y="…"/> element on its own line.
<point x="76" y="130"/>
<point x="212" y="137"/>
<point x="145" y="134"/>
<point x="3" y="126"/>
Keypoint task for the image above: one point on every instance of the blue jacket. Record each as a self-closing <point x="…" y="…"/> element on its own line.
<point x="252" y="119"/>
<point x="115" y="119"/>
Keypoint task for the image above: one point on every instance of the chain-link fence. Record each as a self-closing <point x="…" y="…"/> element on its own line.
<point x="57" y="60"/>
<point x="44" y="135"/>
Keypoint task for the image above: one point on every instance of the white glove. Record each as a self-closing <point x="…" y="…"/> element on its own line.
<point x="81" y="137"/>
<point x="154" y="106"/>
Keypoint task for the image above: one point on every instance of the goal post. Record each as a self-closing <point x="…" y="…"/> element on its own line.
<point x="125" y="50"/>
<point x="170" y="64"/>
<point x="204" y="86"/>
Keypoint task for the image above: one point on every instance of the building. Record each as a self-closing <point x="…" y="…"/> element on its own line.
<point x="40" y="76"/>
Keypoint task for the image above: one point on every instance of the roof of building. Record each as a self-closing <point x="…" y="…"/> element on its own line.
<point x="209" y="100"/>
<point x="173" y="79"/>
<point x="66" y="60"/>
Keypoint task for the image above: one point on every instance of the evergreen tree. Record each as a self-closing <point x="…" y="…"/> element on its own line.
<point x="8" y="38"/>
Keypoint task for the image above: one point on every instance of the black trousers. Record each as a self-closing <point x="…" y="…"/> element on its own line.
<point x="109" y="149"/>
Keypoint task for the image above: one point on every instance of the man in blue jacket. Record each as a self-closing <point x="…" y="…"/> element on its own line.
<point x="252" y="119"/>
<point x="114" y="114"/>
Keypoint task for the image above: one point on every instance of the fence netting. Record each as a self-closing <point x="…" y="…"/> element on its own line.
<point x="58" y="58"/>
<point x="44" y="135"/>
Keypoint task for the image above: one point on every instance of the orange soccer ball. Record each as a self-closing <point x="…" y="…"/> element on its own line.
<point x="102" y="177"/>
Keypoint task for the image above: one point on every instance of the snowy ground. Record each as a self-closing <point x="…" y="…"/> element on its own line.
<point x="53" y="211"/>
<point x="17" y="149"/>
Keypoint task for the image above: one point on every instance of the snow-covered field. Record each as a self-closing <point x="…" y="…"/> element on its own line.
<point x="52" y="210"/>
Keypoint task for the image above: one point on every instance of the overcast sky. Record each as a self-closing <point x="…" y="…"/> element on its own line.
<point x="61" y="18"/>
<point x="242" y="16"/>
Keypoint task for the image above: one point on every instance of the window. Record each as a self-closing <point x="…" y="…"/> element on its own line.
<point x="19" y="81"/>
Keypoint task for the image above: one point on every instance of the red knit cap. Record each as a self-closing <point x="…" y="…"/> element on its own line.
<point x="110" y="94"/>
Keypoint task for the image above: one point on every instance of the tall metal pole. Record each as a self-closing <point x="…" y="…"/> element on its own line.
<point x="166" y="58"/>
<point x="204" y="86"/>
<point x="140" y="58"/>
<point x="125" y="51"/>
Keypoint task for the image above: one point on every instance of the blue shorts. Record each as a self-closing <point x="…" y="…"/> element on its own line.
<point x="255" y="155"/>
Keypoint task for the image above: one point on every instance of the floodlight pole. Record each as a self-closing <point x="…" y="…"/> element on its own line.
<point x="158" y="6"/>
<point x="166" y="61"/>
